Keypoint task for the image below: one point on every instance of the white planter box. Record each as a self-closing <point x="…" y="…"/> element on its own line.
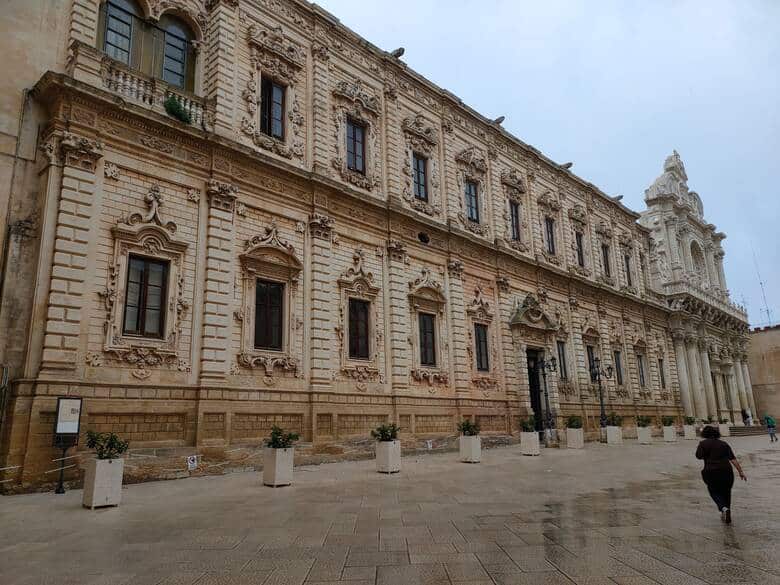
<point x="645" y="435"/>
<point x="388" y="456"/>
<point x="278" y="466"/>
<point x="614" y="435"/>
<point x="529" y="443"/>
<point x="670" y="434"/>
<point x="103" y="483"/>
<point x="470" y="449"/>
<point x="725" y="430"/>
<point x="689" y="432"/>
<point x="575" y="438"/>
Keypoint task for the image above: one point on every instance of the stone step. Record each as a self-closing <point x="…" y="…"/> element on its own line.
<point x="747" y="431"/>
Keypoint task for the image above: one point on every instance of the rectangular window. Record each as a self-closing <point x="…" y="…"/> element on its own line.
<point x="591" y="361"/>
<point x="562" y="368"/>
<point x="627" y="262"/>
<point x="514" y="218"/>
<point x="175" y="59"/>
<point x="481" y="341"/>
<point x="662" y="374"/>
<point x="419" y="168"/>
<point x="358" y="329"/>
<point x="472" y="201"/>
<point x="119" y="33"/>
<point x="356" y="146"/>
<point x="427" y="323"/>
<point x="618" y="368"/>
<point x="147" y="283"/>
<point x="640" y="364"/>
<point x="580" y="249"/>
<point x="269" y="312"/>
<point x="549" y="228"/>
<point x="605" y="260"/>
<point x="272" y="108"/>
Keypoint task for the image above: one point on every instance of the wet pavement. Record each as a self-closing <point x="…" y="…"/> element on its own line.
<point x="630" y="514"/>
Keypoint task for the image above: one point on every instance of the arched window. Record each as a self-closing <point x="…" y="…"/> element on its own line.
<point x="161" y="49"/>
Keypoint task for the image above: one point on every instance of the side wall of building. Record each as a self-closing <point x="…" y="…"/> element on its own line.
<point x="764" y="361"/>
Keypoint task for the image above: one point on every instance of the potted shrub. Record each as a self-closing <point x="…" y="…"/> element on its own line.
<point x="469" y="442"/>
<point x="529" y="437"/>
<point x="575" y="436"/>
<point x="388" y="448"/>
<point x="724" y="427"/>
<point x="174" y="109"/>
<point x="689" y="428"/>
<point x="643" y="430"/>
<point x="278" y="457"/>
<point x="670" y="432"/>
<point x="614" y="430"/>
<point x="103" y="476"/>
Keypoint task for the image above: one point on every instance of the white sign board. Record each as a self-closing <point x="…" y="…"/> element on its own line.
<point x="192" y="462"/>
<point x="68" y="416"/>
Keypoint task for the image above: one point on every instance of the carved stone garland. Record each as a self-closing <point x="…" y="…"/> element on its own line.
<point x="267" y="256"/>
<point x="149" y="235"/>
<point x="421" y="138"/>
<point x="472" y="167"/>
<point x="275" y="56"/>
<point x="352" y="100"/>
<point x="358" y="283"/>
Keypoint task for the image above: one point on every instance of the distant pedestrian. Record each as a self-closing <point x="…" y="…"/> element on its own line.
<point x="717" y="473"/>
<point x="744" y="417"/>
<point x="750" y="418"/>
<point x="771" y="426"/>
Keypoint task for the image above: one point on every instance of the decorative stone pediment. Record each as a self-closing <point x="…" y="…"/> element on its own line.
<point x="427" y="288"/>
<point x="473" y="159"/>
<point x="625" y="239"/>
<point x="423" y="136"/>
<point x="547" y="201"/>
<point x="513" y="183"/>
<point x="153" y="200"/>
<point x="531" y="314"/>
<point x="360" y="97"/>
<point x="275" y="54"/>
<point x="479" y="308"/>
<point x="578" y="215"/>
<point x="269" y="249"/>
<point x="604" y="229"/>
<point x="357" y="279"/>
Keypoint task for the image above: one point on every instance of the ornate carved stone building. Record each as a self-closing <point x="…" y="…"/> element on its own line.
<point x="230" y="214"/>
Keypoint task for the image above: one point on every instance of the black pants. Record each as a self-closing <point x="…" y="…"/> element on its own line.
<point x="719" y="483"/>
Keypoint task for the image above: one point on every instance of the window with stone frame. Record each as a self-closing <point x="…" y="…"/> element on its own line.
<point x="356" y="117"/>
<point x="278" y="69"/>
<point x="627" y="268"/>
<point x="606" y="264"/>
<point x="481" y="347"/>
<point x="662" y="373"/>
<point x="481" y="344"/>
<point x="549" y="211"/>
<point x="472" y="171"/>
<point x="563" y="367"/>
<point x="427" y="305"/>
<point x="356" y="146"/>
<point x="640" y="366"/>
<point x="549" y="235"/>
<point x="420" y="187"/>
<point x="580" y="248"/>
<point x="270" y="270"/>
<point x="359" y="324"/>
<point x="471" y="193"/>
<point x="420" y="173"/>
<point x="578" y="219"/>
<point x="144" y="295"/>
<point x="514" y="221"/>
<point x="617" y="356"/>
<point x="591" y="355"/>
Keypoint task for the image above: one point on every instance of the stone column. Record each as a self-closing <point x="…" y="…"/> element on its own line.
<point x="706" y="372"/>
<point x="712" y="274"/>
<point x="69" y="276"/>
<point x="721" y="274"/>
<point x="736" y="415"/>
<point x="399" y="315"/>
<point x="323" y="346"/>
<point x="458" y="335"/>
<point x="219" y="69"/>
<point x="320" y="128"/>
<point x="682" y="372"/>
<point x="697" y="384"/>
<point x="743" y="401"/>
<point x="504" y="314"/>
<point x="218" y="293"/>
<point x="748" y="386"/>
<point x="720" y="392"/>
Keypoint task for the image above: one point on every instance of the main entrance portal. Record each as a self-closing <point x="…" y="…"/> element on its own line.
<point x="535" y="386"/>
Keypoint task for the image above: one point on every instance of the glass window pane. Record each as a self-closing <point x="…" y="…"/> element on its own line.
<point x="131" y="318"/>
<point x="152" y="322"/>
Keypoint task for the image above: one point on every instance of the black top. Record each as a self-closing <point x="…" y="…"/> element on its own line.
<point x="717" y="454"/>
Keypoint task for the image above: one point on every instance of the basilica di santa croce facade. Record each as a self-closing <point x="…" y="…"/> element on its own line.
<point x="228" y="215"/>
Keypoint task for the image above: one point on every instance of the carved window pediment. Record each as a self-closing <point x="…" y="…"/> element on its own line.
<point x="278" y="54"/>
<point x="547" y="201"/>
<point x="479" y="308"/>
<point x="531" y="314"/>
<point x="472" y="158"/>
<point x="513" y="183"/>
<point x="267" y="248"/>
<point x="578" y="215"/>
<point x="604" y="229"/>
<point x="425" y="287"/>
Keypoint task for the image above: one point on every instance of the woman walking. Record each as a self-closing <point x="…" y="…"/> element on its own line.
<point x="717" y="473"/>
<point x="771" y="426"/>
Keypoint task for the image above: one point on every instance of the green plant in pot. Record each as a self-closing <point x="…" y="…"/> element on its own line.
<point x="528" y="425"/>
<point x="643" y="421"/>
<point x="667" y="421"/>
<point x="174" y="109"/>
<point x="723" y="421"/>
<point x="106" y="445"/>
<point x="388" y="448"/>
<point x="574" y="422"/>
<point x="710" y="419"/>
<point x="279" y="457"/>
<point x="614" y="420"/>
<point x="386" y="432"/>
<point x="279" y="439"/>
<point x="103" y="474"/>
<point x="468" y="428"/>
<point x="469" y="443"/>
<point x="689" y="420"/>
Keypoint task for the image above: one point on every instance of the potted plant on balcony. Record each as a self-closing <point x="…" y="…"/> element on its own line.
<point x="278" y="458"/>
<point x="469" y="442"/>
<point x="529" y="437"/>
<point x="614" y="429"/>
<point x="724" y="426"/>
<point x="575" y="436"/>
<point x="103" y="476"/>
<point x="689" y="428"/>
<point x="670" y="432"/>
<point x="388" y="448"/>
<point x="643" y="430"/>
<point x="174" y="109"/>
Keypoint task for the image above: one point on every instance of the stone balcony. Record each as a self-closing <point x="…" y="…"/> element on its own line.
<point x="89" y="65"/>
<point x="720" y="302"/>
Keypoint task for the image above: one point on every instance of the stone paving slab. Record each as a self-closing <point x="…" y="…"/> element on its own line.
<point x="634" y="515"/>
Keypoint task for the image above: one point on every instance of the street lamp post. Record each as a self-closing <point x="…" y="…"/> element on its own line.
<point x="596" y="373"/>
<point x="549" y="423"/>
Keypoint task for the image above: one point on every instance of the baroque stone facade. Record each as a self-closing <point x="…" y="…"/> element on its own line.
<point x="541" y="264"/>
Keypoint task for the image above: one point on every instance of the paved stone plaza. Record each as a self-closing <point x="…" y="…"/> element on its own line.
<point x="632" y="515"/>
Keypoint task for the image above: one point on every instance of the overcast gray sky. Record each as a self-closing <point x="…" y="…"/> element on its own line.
<point x="616" y="85"/>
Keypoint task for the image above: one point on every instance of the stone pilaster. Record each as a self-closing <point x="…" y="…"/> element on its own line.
<point x="511" y="366"/>
<point x="694" y="372"/>
<point x="721" y="273"/>
<point x="720" y="392"/>
<point x="709" y="390"/>
<point x="748" y="386"/>
<point x="394" y="151"/>
<point x="219" y="71"/>
<point x="321" y="123"/>
<point x="324" y="352"/>
<point x="682" y="373"/>
<point x="84" y="22"/>
<point x="76" y="215"/>
<point x="743" y="400"/>
<point x="218" y="293"/>
<point x="458" y="335"/>
<point x="736" y="415"/>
